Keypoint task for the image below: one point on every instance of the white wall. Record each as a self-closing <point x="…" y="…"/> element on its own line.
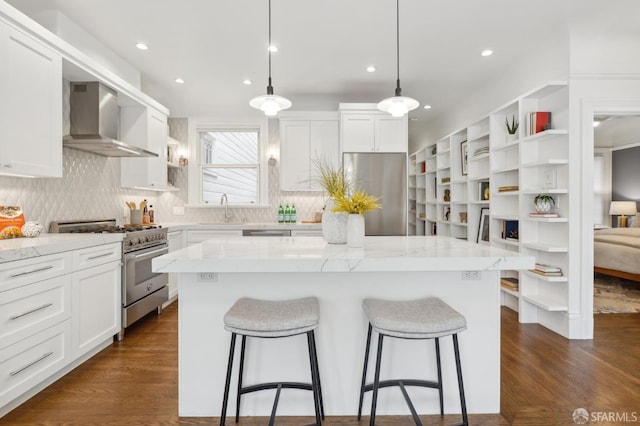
<point x="78" y="37"/>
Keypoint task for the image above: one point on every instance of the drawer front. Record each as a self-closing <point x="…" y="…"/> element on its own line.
<point x="32" y="360"/>
<point x="28" y="271"/>
<point x="306" y="233"/>
<point x="98" y="255"/>
<point x="194" y="237"/>
<point x="27" y="310"/>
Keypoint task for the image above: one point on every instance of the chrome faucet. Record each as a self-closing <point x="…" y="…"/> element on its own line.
<point x="224" y="201"/>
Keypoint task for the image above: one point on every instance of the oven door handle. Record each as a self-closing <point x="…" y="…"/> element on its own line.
<point x="138" y="256"/>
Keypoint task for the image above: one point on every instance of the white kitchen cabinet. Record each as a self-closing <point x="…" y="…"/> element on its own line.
<point x="365" y="129"/>
<point x="30" y="361"/>
<point x="96" y="306"/>
<point x="55" y="309"/>
<point x="175" y="241"/>
<point x="30" y="106"/>
<point x="145" y="128"/>
<point x="304" y="138"/>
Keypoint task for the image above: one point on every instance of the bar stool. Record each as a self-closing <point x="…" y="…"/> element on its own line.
<point x="273" y="319"/>
<point x="428" y="318"/>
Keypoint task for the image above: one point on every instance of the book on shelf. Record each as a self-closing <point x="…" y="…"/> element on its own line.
<point x="508" y="188"/>
<point x="546" y="274"/>
<point x="445" y="180"/>
<point x="535" y="214"/>
<point x="547" y="268"/>
<point x="539" y="121"/>
<point x="510" y="283"/>
<point x="510" y="230"/>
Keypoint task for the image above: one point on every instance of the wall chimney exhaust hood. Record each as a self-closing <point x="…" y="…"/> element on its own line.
<point x="95" y="119"/>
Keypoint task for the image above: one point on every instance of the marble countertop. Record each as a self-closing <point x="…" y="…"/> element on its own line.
<point x="313" y="254"/>
<point x="24" y="248"/>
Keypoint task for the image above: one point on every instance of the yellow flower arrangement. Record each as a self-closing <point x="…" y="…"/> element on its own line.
<point x="332" y="180"/>
<point x="359" y="202"/>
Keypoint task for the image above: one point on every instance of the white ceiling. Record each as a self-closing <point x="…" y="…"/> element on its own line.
<point x="324" y="46"/>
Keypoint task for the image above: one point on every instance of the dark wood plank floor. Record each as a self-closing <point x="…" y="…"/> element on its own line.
<point x="544" y="379"/>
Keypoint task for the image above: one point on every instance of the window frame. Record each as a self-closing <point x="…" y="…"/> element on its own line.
<point x="195" y="166"/>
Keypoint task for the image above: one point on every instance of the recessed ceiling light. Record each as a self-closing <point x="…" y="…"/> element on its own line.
<point x="371" y="68"/>
<point x="179" y="80"/>
<point x="247" y="82"/>
<point x="487" y="52"/>
<point x="273" y="48"/>
<point x="427" y="107"/>
<point x="142" y="46"/>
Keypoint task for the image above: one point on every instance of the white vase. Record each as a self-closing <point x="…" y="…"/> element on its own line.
<point x="355" y="230"/>
<point x="512" y="137"/>
<point x="334" y="225"/>
<point x="543" y="206"/>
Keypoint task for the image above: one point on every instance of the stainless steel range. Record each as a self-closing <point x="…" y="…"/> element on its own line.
<point x="142" y="289"/>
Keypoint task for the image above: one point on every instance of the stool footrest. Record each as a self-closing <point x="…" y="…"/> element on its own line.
<point x="275" y="385"/>
<point x="407" y="382"/>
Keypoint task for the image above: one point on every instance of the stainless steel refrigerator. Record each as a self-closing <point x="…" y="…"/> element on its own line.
<point x="382" y="175"/>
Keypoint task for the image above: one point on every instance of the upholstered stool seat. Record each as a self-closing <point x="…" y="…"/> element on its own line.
<point x="428" y="318"/>
<point x="273" y="319"/>
<point x="268" y="318"/>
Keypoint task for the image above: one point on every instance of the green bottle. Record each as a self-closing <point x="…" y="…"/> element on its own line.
<point x="287" y="214"/>
<point x="280" y="214"/>
<point x="293" y="217"/>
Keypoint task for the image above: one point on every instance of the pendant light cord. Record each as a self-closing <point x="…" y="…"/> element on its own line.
<point x="398" y="90"/>
<point x="269" y="87"/>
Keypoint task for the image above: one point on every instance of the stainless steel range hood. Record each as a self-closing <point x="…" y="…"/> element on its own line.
<point x="95" y="118"/>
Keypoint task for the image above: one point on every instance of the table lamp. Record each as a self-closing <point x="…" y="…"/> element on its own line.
<point x="622" y="208"/>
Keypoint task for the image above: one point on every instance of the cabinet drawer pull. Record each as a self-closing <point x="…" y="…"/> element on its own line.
<point x="99" y="256"/>
<point x="19" y="274"/>
<point x="20" y="370"/>
<point x="39" y="308"/>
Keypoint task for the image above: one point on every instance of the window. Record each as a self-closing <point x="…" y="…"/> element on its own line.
<point x="230" y="164"/>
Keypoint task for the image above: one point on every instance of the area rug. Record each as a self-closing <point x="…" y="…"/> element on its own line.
<point x="615" y="295"/>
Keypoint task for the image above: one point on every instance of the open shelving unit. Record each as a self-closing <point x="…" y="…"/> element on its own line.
<point x="514" y="168"/>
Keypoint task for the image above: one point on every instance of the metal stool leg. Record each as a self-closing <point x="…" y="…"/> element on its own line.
<point x="463" y="403"/>
<point x="364" y="371"/>
<point x="223" y="414"/>
<point x="439" y="376"/>
<point x="315" y="358"/>
<point x="314" y="376"/>
<point x="239" y="394"/>
<point x="376" y="383"/>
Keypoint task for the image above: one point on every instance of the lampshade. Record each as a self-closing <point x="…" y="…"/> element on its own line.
<point x="398" y="105"/>
<point x="270" y="104"/>
<point x="623" y="208"/>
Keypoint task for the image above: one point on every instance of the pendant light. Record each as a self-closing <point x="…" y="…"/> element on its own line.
<point x="398" y="105"/>
<point x="271" y="104"/>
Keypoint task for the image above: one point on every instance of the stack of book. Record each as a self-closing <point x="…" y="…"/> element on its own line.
<point x="481" y="151"/>
<point x="509" y="283"/>
<point x="547" y="270"/>
<point x="508" y="188"/>
<point x="536" y="214"/>
<point x="538" y="121"/>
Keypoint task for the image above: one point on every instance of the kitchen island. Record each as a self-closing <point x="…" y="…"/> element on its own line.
<point x="215" y="273"/>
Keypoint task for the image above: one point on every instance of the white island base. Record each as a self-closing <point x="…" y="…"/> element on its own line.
<point x="341" y="334"/>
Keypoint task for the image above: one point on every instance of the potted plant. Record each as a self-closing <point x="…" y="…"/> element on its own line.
<point x="543" y="203"/>
<point x="356" y="205"/>
<point x="512" y="128"/>
<point x="331" y="179"/>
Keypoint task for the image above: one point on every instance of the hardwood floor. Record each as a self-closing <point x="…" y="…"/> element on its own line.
<point x="544" y="379"/>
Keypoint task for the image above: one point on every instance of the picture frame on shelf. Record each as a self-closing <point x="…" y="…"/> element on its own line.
<point x="483" y="191"/>
<point x="463" y="157"/>
<point x="483" y="227"/>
